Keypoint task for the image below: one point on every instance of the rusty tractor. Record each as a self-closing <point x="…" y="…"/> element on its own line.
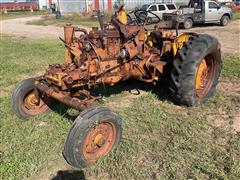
<point x="107" y="55"/>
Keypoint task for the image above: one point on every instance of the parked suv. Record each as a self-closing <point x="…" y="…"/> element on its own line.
<point x="149" y="13"/>
<point x="159" y="8"/>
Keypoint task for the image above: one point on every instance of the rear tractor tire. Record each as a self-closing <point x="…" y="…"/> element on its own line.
<point x="196" y="70"/>
<point x="24" y="103"/>
<point x="95" y="133"/>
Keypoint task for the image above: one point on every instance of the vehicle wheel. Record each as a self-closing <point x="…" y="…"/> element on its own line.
<point x="188" y="23"/>
<point x="196" y="70"/>
<point x="142" y="17"/>
<point x="224" y="20"/>
<point x="24" y="103"/>
<point x="95" y="133"/>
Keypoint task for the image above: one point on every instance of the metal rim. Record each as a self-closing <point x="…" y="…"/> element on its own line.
<point x="99" y="141"/>
<point x="205" y="76"/>
<point x="188" y="23"/>
<point x="225" y="21"/>
<point x="30" y="104"/>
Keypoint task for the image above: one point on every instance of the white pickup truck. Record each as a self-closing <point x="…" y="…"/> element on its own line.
<point x="200" y="12"/>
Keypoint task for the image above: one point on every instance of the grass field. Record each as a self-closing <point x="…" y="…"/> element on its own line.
<point x="77" y="19"/>
<point x="236" y="15"/>
<point x="18" y="14"/>
<point x="160" y="140"/>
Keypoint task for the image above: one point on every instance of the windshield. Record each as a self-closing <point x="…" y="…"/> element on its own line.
<point x="144" y="7"/>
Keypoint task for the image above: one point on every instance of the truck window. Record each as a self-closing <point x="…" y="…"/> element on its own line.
<point x="144" y="7"/>
<point x="171" y="7"/>
<point x="212" y="5"/>
<point x="161" y="7"/>
<point x="153" y="8"/>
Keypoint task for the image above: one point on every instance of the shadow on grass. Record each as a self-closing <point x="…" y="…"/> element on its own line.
<point x="69" y="175"/>
<point x="132" y="86"/>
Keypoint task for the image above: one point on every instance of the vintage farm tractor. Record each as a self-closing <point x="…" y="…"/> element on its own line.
<point x="116" y="52"/>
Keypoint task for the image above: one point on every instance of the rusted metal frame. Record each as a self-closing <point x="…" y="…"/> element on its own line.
<point x="80" y="30"/>
<point x="112" y="68"/>
<point x="64" y="98"/>
<point x="135" y="47"/>
<point x="139" y="68"/>
<point x="85" y="93"/>
<point x="156" y="65"/>
<point x="153" y="74"/>
<point x="98" y="62"/>
<point x="143" y="73"/>
<point x="71" y="49"/>
<point x="68" y="36"/>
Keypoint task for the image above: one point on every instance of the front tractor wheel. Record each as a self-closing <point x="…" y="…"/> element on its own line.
<point x="25" y="103"/>
<point x="95" y="133"/>
<point x="196" y="70"/>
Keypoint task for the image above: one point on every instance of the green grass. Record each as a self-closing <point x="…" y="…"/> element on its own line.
<point x="236" y="15"/>
<point x="21" y="58"/>
<point x="160" y="140"/>
<point x="77" y="19"/>
<point x="18" y="14"/>
<point x="231" y="66"/>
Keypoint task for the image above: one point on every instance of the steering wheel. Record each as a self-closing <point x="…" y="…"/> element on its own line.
<point x="144" y="17"/>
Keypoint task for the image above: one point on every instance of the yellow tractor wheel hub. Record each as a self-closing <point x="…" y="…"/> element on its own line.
<point x="201" y="74"/>
<point x="98" y="138"/>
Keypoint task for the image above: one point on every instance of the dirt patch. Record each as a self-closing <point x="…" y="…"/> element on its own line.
<point x="126" y="100"/>
<point x="228" y="36"/>
<point x="227" y="118"/>
<point x="229" y="121"/>
<point x="18" y="27"/>
<point x="230" y="88"/>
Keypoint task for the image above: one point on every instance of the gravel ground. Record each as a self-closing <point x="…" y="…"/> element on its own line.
<point x="229" y="36"/>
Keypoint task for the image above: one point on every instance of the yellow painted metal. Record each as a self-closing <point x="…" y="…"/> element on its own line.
<point x="148" y="39"/>
<point x="201" y="74"/>
<point x="73" y="50"/>
<point x="179" y="41"/>
<point x="122" y="16"/>
<point x="68" y="56"/>
<point x="31" y="99"/>
<point x="98" y="138"/>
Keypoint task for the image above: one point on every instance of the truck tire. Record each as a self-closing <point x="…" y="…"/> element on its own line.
<point x="196" y="70"/>
<point x="23" y="100"/>
<point x="224" y="20"/>
<point x="188" y="23"/>
<point x="95" y="133"/>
